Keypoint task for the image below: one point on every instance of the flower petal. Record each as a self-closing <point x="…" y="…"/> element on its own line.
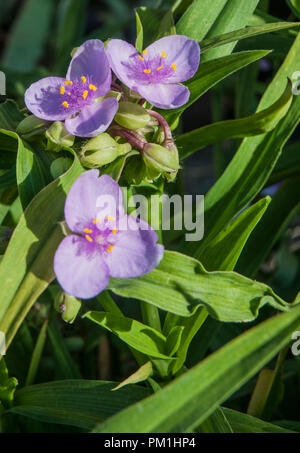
<point x="43" y="99"/>
<point x="123" y="58"/>
<point x="88" y="195"/>
<point x="136" y="251"/>
<point x="180" y="51"/>
<point x="93" y="119"/>
<point x="79" y="268"/>
<point x="165" y="96"/>
<point x="90" y="60"/>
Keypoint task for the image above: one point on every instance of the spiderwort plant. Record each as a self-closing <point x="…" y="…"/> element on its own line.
<point x="106" y="242"/>
<point x="157" y="73"/>
<point x="76" y="99"/>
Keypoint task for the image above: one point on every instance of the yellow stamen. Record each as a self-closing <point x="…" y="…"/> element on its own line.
<point x="68" y="82"/>
<point x="109" y="249"/>
<point x="159" y="68"/>
<point x="88" y="238"/>
<point x="108" y="217"/>
<point x="147" y="71"/>
<point x="65" y="104"/>
<point x="85" y="94"/>
<point x="164" y="54"/>
<point x="69" y="94"/>
<point x="141" y="58"/>
<point x="92" y="87"/>
<point x="145" y="51"/>
<point x="174" y="66"/>
<point x="87" y="230"/>
<point x="96" y="220"/>
<point x="62" y="90"/>
<point x="83" y="79"/>
<point x="114" y="231"/>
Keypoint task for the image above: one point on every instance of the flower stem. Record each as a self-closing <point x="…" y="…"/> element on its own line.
<point x="134" y="138"/>
<point x="168" y="142"/>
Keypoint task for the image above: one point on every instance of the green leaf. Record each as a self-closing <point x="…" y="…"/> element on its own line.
<point x="148" y="19"/>
<point x="10" y="115"/>
<point x="244" y="33"/>
<point x="143" y="373"/>
<point x="37" y="354"/>
<point x="199" y="18"/>
<point x="216" y="423"/>
<point x="285" y="204"/>
<point x="8" y="179"/>
<point x="223" y="252"/>
<point x="80" y="403"/>
<point x="190" y="399"/>
<point x="242" y="423"/>
<point x="166" y="26"/>
<point x="66" y="368"/>
<point x="180" y="284"/>
<point x="287" y="165"/>
<point x="235" y="15"/>
<point x="209" y="74"/>
<point x="295" y="7"/>
<point x="259" y="123"/>
<point x="137" y="335"/>
<point x="71" y="25"/>
<point x="26" y="268"/>
<point x="26" y="42"/>
<point x="252" y="164"/>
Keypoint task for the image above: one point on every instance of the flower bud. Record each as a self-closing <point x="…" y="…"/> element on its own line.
<point x="132" y="116"/>
<point x="58" y="137"/>
<point x="160" y="160"/>
<point x="68" y="306"/>
<point x="102" y="150"/>
<point x="31" y="125"/>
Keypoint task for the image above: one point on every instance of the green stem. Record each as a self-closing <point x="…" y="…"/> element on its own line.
<point x="150" y="315"/>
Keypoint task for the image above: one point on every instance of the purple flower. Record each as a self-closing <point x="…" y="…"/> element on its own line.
<point x="107" y="242"/>
<point x="74" y="98"/>
<point x="156" y="74"/>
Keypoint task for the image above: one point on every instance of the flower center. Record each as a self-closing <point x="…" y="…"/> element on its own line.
<point x="157" y="67"/>
<point x="102" y="234"/>
<point x="75" y="94"/>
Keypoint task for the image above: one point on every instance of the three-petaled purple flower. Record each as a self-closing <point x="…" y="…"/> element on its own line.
<point x="77" y="98"/>
<point x="157" y="73"/>
<point x="107" y="242"/>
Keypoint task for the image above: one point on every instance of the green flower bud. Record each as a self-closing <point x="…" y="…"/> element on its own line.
<point x="58" y="137"/>
<point x="132" y="116"/>
<point x="31" y="125"/>
<point x="102" y="150"/>
<point x="160" y="160"/>
<point x="68" y="306"/>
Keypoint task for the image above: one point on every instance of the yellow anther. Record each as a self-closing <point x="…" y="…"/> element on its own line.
<point x="65" y="104"/>
<point x="92" y="87"/>
<point x="141" y="58"/>
<point x="88" y="238"/>
<point x="83" y="79"/>
<point x="96" y="220"/>
<point x="109" y="249"/>
<point x="159" y="68"/>
<point x="108" y="217"/>
<point x="145" y="51"/>
<point x="164" y="54"/>
<point x="68" y="82"/>
<point x="62" y="90"/>
<point x="174" y="66"/>
<point x="147" y="71"/>
<point x="114" y="231"/>
<point x="85" y="94"/>
<point x="87" y="230"/>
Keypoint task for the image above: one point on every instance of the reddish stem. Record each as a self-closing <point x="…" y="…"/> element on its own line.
<point x="168" y="142"/>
